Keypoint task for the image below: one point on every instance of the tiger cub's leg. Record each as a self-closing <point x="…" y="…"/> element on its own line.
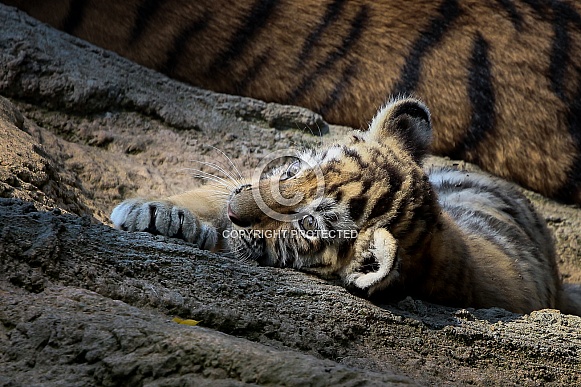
<point x="197" y="216"/>
<point x="378" y="251"/>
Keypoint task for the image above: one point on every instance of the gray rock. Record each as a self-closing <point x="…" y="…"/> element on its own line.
<point x="71" y="336"/>
<point x="67" y="285"/>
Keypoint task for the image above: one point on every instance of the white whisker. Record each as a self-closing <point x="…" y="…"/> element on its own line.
<point x="220" y="169"/>
<point x="230" y="162"/>
<point x="242" y="255"/>
<point x="204" y="173"/>
<point x="211" y="179"/>
<point x="201" y="174"/>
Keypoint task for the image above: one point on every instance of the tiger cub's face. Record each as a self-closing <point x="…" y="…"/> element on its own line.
<point x="316" y="212"/>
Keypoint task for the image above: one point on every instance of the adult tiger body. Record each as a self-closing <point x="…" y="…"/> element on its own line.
<point x="502" y="77"/>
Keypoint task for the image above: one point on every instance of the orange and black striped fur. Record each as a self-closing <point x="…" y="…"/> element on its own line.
<point x="365" y="211"/>
<point x="503" y="77"/>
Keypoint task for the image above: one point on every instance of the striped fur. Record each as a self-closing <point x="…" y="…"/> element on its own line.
<point x="502" y="77"/>
<point x="383" y="224"/>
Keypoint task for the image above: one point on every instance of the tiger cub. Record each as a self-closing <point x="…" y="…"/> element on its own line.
<point x="365" y="211"/>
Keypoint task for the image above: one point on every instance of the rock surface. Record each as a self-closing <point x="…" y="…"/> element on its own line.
<point x="69" y="285"/>
<point x="81" y="303"/>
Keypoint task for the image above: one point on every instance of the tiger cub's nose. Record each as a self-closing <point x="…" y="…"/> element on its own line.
<point x="239" y="221"/>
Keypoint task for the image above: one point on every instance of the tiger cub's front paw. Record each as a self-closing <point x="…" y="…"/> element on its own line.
<point x="164" y="218"/>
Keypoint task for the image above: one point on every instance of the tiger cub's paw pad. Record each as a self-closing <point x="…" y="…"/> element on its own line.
<point x="376" y="267"/>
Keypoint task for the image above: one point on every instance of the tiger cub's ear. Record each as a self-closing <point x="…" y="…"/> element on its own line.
<point x="409" y="121"/>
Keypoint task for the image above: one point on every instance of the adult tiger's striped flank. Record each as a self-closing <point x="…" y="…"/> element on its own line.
<point x="365" y="211"/>
<point x="502" y="77"/>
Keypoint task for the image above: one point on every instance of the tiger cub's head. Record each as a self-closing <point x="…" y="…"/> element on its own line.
<point x="318" y="213"/>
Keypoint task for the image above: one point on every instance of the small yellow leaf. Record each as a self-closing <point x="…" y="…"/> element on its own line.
<point x="185" y="321"/>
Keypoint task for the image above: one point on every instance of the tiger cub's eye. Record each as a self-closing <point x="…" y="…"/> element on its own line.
<point x="308" y="223"/>
<point x="292" y="170"/>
